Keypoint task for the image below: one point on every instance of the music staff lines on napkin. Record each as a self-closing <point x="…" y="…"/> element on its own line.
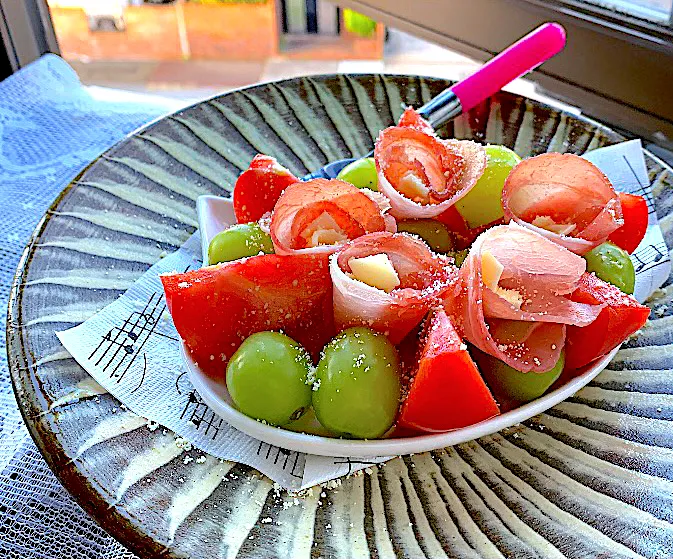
<point x="274" y="453"/>
<point x="640" y="188"/>
<point x="128" y="340"/>
<point x="197" y="412"/>
<point x="650" y="256"/>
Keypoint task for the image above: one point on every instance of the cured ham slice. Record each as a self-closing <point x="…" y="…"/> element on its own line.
<point x="319" y="215"/>
<point x="259" y="187"/>
<point x="564" y="198"/>
<point x="215" y="308"/>
<point x="514" y="299"/>
<point x="423" y="279"/>
<point x="422" y="175"/>
<point x="412" y="119"/>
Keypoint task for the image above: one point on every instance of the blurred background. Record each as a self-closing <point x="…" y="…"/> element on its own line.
<point x="189" y="49"/>
<point x="618" y="65"/>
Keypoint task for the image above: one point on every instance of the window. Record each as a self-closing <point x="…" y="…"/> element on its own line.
<point x="617" y="65"/>
<point x="25" y="32"/>
<point x="195" y="48"/>
<point x="658" y="11"/>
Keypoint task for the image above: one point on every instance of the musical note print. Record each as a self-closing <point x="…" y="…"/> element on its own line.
<point x="120" y="346"/>
<point x="142" y="377"/>
<point x="649" y="257"/>
<point x="277" y="454"/>
<point x="201" y="416"/>
<point x="353" y="462"/>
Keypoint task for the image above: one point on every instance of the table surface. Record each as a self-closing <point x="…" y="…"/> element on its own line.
<point x="51" y="127"/>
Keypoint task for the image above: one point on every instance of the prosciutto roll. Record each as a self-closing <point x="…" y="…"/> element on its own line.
<point x="320" y="215"/>
<point x="513" y="300"/>
<point x="421" y="280"/>
<point x="564" y="198"/>
<point x="421" y="174"/>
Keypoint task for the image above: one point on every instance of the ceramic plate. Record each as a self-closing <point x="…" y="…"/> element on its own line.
<point x="590" y="477"/>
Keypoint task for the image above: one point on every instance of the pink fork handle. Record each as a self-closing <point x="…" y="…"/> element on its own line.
<point x="515" y="61"/>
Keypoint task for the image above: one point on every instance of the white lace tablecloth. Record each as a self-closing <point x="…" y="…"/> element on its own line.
<point x="50" y="128"/>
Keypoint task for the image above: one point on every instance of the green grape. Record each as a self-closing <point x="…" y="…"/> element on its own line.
<point x="459" y="256"/>
<point x="239" y="241"/>
<point x="482" y="204"/>
<point x="509" y="384"/>
<point x="433" y="232"/>
<point x="357" y="387"/>
<point x="361" y="173"/>
<point x="267" y="378"/>
<point x="308" y="423"/>
<point x="612" y="264"/>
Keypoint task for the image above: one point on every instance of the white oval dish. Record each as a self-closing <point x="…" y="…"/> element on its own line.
<point x="216" y="395"/>
<point x="215" y="214"/>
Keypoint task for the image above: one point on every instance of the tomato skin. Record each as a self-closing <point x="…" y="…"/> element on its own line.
<point x="446" y="391"/>
<point x="215" y="308"/>
<point x="453" y="220"/>
<point x="457" y="226"/>
<point x="636" y="215"/>
<point x="621" y="317"/>
<point x="258" y="188"/>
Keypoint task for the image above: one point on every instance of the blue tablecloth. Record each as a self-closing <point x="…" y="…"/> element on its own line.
<point x="50" y="128"/>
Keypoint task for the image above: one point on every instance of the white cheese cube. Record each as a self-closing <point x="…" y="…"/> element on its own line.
<point x="546" y="222"/>
<point x="491" y="270"/>
<point x="412" y="186"/>
<point x="376" y="270"/>
<point x="512" y="296"/>
<point x="324" y="230"/>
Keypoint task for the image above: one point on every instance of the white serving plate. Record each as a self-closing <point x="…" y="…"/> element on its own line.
<point x="215" y="214"/>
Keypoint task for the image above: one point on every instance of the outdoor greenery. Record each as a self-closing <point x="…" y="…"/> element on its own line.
<point x="358" y="23"/>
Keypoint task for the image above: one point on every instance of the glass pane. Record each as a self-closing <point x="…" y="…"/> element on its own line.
<point x="195" y="48"/>
<point x="653" y="10"/>
<point x="192" y="49"/>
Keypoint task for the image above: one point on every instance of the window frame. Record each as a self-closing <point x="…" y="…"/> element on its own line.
<point x="26" y="31"/>
<point x="481" y="28"/>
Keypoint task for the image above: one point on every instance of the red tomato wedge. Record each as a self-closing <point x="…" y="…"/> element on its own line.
<point x="463" y="235"/>
<point x="215" y="308"/>
<point x="258" y="188"/>
<point x="454" y="221"/>
<point x="621" y="316"/>
<point x="446" y="390"/>
<point x="636" y="216"/>
<point x="320" y="215"/>
<point x="564" y="198"/>
<point x="424" y="279"/>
